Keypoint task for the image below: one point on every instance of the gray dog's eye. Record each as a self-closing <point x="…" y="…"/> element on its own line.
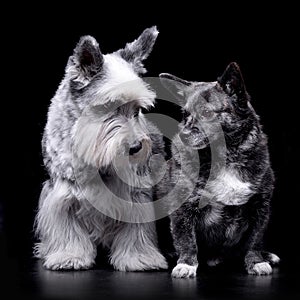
<point x="207" y="114"/>
<point x="186" y="114"/>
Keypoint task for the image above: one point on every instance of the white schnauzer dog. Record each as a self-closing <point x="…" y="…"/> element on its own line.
<point x="97" y="146"/>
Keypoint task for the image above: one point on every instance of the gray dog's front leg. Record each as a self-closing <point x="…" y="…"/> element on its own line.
<point x="185" y="243"/>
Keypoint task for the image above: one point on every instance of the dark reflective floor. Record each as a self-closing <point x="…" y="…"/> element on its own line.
<point x="34" y="282"/>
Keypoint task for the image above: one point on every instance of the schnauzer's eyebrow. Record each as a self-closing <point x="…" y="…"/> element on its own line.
<point x="129" y="108"/>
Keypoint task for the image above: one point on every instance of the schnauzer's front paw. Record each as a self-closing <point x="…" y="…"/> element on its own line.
<point x="138" y="262"/>
<point x="67" y="261"/>
<point x="262" y="268"/>
<point x="184" y="271"/>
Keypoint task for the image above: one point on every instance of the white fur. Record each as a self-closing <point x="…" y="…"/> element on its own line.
<point x="262" y="268"/>
<point x="274" y="259"/>
<point x="66" y="244"/>
<point x="116" y="200"/>
<point x="122" y="82"/>
<point x="67" y="260"/>
<point x="99" y="143"/>
<point x="91" y="142"/>
<point x="214" y="216"/>
<point x="133" y="255"/>
<point x="69" y="237"/>
<point x="85" y="135"/>
<point x="184" y="271"/>
<point x="229" y="189"/>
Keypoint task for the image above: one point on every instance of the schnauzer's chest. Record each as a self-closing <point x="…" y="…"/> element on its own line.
<point x="228" y="188"/>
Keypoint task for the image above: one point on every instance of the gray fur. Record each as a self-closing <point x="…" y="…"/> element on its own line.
<point x="139" y="50"/>
<point x="228" y="210"/>
<point x="94" y="121"/>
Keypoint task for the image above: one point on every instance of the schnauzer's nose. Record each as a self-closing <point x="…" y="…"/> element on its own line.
<point x="136" y="148"/>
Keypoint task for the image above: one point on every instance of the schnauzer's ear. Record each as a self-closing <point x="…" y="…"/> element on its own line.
<point x="139" y="49"/>
<point x="175" y="85"/>
<point x="87" y="57"/>
<point x="232" y="81"/>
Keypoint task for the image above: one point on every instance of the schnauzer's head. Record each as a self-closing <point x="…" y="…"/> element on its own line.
<point x="109" y="95"/>
<point x="210" y="108"/>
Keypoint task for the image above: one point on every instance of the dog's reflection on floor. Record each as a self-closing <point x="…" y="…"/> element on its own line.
<point x="113" y="284"/>
<point x="140" y="285"/>
<point x="70" y="284"/>
<point x="185" y="288"/>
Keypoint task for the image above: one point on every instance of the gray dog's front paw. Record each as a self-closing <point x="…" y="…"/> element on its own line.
<point x="262" y="268"/>
<point x="184" y="271"/>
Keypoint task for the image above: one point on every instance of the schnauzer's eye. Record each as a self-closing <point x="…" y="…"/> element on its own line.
<point x="136" y="113"/>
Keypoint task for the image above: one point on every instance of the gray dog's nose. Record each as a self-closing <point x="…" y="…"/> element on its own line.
<point x="136" y="148"/>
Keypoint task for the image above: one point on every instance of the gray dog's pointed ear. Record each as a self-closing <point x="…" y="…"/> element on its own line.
<point x="175" y="85"/>
<point x="139" y="49"/>
<point x="232" y="81"/>
<point x="87" y="57"/>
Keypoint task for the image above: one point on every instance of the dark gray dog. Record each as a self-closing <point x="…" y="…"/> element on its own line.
<point x="228" y="207"/>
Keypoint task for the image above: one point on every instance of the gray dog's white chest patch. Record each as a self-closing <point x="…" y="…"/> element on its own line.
<point x="229" y="189"/>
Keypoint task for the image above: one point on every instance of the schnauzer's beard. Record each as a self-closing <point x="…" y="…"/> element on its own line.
<point x="106" y="145"/>
<point x="133" y="169"/>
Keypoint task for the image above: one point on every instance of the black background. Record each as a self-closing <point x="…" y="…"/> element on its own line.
<point x="195" y="43"/>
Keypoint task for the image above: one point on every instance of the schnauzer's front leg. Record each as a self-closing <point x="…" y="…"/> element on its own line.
<point x="64" y="243"/>
<point x="184" y="239"/>
<point x="134" y="248"/>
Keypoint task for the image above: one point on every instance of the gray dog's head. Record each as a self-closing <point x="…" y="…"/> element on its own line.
<point x="210" y="108"/>
<point x="108" y="93"/>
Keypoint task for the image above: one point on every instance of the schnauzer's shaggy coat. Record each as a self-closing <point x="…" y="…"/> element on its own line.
<point x="96" y="148"/>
